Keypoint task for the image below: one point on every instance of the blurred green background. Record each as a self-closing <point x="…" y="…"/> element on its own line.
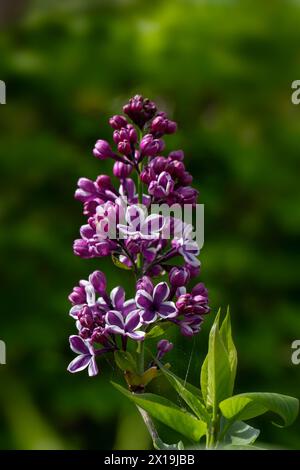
<point x="223" y="70"/>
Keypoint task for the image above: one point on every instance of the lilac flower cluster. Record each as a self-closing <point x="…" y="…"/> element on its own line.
<point x="118" y="225"/>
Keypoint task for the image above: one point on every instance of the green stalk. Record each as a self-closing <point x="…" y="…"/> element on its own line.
<point x="140" y="351"/>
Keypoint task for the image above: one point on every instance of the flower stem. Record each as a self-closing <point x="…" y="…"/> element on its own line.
<point x="140" y="351"/>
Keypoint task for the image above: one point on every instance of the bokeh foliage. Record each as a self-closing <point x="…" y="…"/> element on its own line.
<point x="223" y="70"/>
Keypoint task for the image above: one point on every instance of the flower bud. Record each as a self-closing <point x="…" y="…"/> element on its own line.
<point x="150" y="146"/>
<point x="121" y="170"/>
<point x="179" y="276"/>
<point x="99" y="335"/>
<point x="85" y="317"/>
<point x="171" y="127"/>
<point x="159" y="164"/>
<point x="145" y="284"/>
<point x="98" y="281"/>
<point x="102" y="150"/>
<point x="186" y="178"/>
<point x="176" y="155"/>
<point x="81" y="248"/>
<point x="161" y="125"/>
<point x="183" y="301"/>
<point x="124" y="148"/>
<point x="140" y="110"/>
<point x="193" y="270"/>
<point x="132" y="134"/>
<point x="117" y="122"/>
<point x="163" y="347"/>
<point x="78" y="295"/>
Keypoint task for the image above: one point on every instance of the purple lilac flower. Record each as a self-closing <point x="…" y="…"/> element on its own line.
<point x="122" y="170"/>
<point x="163" y="347"/>
<point x="150" y="146"/>
<point x="179" y="276"/>
<point x="90" y="246"/>
<point x="118" y="302"/>
<point x="118" y="224"/>
<point x="106" y="219"/>
<point x="103" y="150"/>
<point x="191" y="309"/>
<point x="128" y="325"/>
<point x="117" y="122"/>
<point x="86" y="356"/>
<point x="93" y="193"/>
<point x="139" y="226"/>
<point x="155" y="304"/>
<point x="84" y="295"/>
<point x="176" y="155"/>
<point x="162" y="187"/>
<point x="161" y="125"/>
<point x="140" y="110"/>
<point x="185" y="245"/>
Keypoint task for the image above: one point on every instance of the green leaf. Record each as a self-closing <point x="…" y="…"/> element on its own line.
<point x="226" y="335"/>
<point x="125" y="361"/>
<point x="158" y="330"/>
<point x="204" y="380"/>
<point x="168" y="413"/>
<point x="118" y="263"/>
<point x="249" y="405"/>
<point x="241" y="433"/>
<point x="216" y="371"/>
<point x="149" y="375"/>
<point x="192" y="398"/>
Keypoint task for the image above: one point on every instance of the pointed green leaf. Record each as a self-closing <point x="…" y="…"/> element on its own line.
<point x="184" y="390"/>
<point x="226" y="335"/>
<point x="204" y="379"/>
<point x="158" y="330"/>
<point x="249" y="405"/>
<point x="168" y="413"/>
<point x="216" y="371"/>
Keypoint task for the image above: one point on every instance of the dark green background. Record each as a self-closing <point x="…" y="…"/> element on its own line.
<point x="223" y="70"/>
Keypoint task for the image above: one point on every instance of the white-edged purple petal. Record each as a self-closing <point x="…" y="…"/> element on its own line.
<point x="78" y="345"/>
<point x="149" y="316"/>
<point x="117" y="297"/>
<point x="115" y="330"/>
<point x="114" y="318"/>
<point x="143" y="299"/>
<point x="132" y="321"/>
<point x="79" y="363"/>
<point x="160" y="293"/>
<point x="93" y="368"/>
<point x="90" y="295"/>
<point x="75" y="310"/>
<point x="189" y="258"/>
<point x="167" y="310"/>
<point x="136" y="335"/>
<point x="129" y="306"/>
